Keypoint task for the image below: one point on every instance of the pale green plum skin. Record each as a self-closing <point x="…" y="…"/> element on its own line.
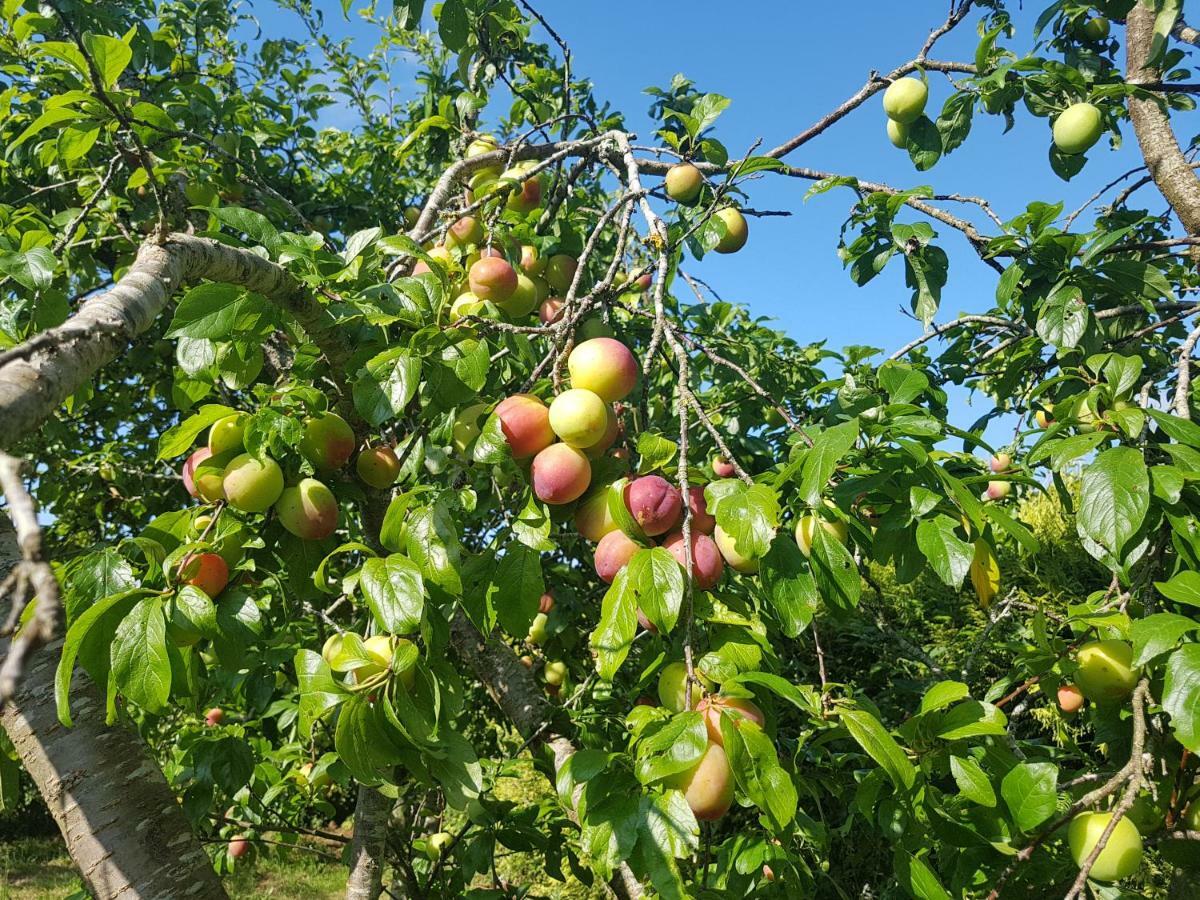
<point x="328" y="442"/>
<point x="579" y="417"/>
<point x="308" y="510"/>
<point x="1105" y="670"/>
<point x="672" y="687"/>
<point x="1077" y="128"/>
<point x="747" y="565"/>
<point x="897" y="133"/>
<point x="904" y="100"/>
<point x="1122" y="854"/>
<point x="524" y="298"/>
<point x="683" y="182"/>
<point x="736" y="230"/>
<point x="227" y="433"/>
<point x="251" y="484"/>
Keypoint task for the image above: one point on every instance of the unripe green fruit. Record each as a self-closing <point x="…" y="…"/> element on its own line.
<point x="485" y="143"/>
<point x="1094" y="29"/>
<point x="592" y="518"/>
<point x="308" y="510"/>
<point x="1105" y="670"/>
<point x="524" y="298"/>
<point x="555" y="672"/>
<point x="465" y="304"/>
<point x="1122" y="854"/>
<point x="537" y="630"/>
<point x="897" y="133"/>
<point x="904" y="100"/>
<point x="227" y="433"/>
<point x="1077" y="128"/>
<point x="328" y="442"/>
<point x="807" y="525"/>
<point x="579" y="417"/>
<point x="378" y="467"/>
<point x="467" y="425"/>
<point x="252" y="484"/>
<point x="684" y="182"/>
<point x="560" y="271"/>
<point x="436" y="844"/>
<point x="672" y="687"/>
<point x="747" y="565"/>
<point x="736" y="230"/>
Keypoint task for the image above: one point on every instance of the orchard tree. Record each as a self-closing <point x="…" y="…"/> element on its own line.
<point x="377" y="460"/>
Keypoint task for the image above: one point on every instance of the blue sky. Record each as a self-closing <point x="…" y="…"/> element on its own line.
<point x="785" y="64"/>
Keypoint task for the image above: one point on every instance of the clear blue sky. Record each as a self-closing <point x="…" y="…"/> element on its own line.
<point x="785" y="64"/>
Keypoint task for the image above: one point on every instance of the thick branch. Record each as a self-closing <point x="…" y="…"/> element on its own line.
<point x="35" y="377"/>
<point x="1164" y="159"/>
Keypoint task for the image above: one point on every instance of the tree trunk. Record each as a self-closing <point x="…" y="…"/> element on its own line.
<point x="122" y="826"/>
<point x="371" y="818"/>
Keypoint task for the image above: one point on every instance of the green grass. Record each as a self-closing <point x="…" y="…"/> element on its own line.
<point x="35" y="869"/>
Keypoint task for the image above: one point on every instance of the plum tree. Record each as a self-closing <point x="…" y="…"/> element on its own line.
<point x="328" y="442"/>
<point x="715" y="706"/>
<point x="378" y="466"/>
<point x="560" y="474"/>
<point x="1077" y="128"/>
<point x="683" y="182"/>
<point x="579" y="417"/>
<point x="1104" y="670"/>
<point x="707" y="563"/>
<point x="308" y="510"/>
<point x="604" y="366"/>
<point x="525" y="422"/>
<point x="238" y="847"/>
<point x="708" y="785"/>
<point x="654" y="503"/>
<point x="207" y="571"/>
<point x="734" y="230"/>
<point x="252" y="484"/>
<point x="1122" y="854"/>
<point x="904" y="100"/>
<point x="613" y="553"/>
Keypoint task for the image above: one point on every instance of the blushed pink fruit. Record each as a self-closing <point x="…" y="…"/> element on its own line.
<point x="722" y="467"/>
<point x="546" y="603"/>
<point x="551" y="310"/>
<point x="604" y="366"/>
<point x="708" y="785"/>
<point x="712" y="705"/>
<point x="707" y="562"/>
<point x="701" y="520"/>
<point x="653" y="503"/>
<point x="525" y="421"/>
<point x="467" y="230"/>
<point x="560" y="474"/>
<point x="492" y="278"/>
<point x="613" y="553"/>
<point x="308" y="510"/>
<point x="189" y="469"/>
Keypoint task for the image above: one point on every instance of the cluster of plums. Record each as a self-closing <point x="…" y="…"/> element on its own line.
<point x="684" y="183"/>
<point x="221" y="471"/>
<point x="904" y="102"/>
<point x="378" y="653"/>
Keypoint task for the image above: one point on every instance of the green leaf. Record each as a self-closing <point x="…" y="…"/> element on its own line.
<point x="673" y="747"/>
<point x="491" y="447"/>
<point x="385" y="385"/>
<point x="748" y="514"/>
<point x="942" y="695"/>
<point x="972" y="781"/>
<point x="140" y="664"/>
<point x="1183" y="588"/>
<point x="657" y="581"/>
<point x="823" y="457"/>
<point x="1030" y="791"/>
<point x="111" y="56"/>
<point x="870" y="734"/>
<point x="1179" y="429"/>
<point x="757" y="771"/>
<point x="319" y="691"/>
<point x="915" y="876"/>
<point x="833" y="569"/>
<point x="805" y="698"/>
<point x="33" y="269"/>
<point x="785" y="577"/>
<point x="1063" y="317"/>
<point x="924" y="144"/>
<point x="971" y="718"/>
<point x="1114" y="498"/>
<point x="614" y="633"/>
<point x="949" y="556"/>
<point x="254" y="225"/>
<point x="108" y="611"/>
<point x="432" y="543"/>
<point x="395" y="592"/>
<point x="453" y="25"/>
<point x="179" y="439"/>
<point x="654" y="452"/>
<point x="217" y="312"/>
<point x="1181" y="695"/>
<point x="1156" y="634"/>
<point x="518" y="586"/>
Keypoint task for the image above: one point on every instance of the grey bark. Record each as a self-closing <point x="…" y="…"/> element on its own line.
<point x="122" y="826"/>
<point x="371" y="816"/>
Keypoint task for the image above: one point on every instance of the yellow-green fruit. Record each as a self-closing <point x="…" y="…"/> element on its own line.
<point x="252" y="484"/>
<point x="380" y="648"/>
<point x="708" y="785"/>
<point x="436" y="844"/>
<point x="807" y="525"/>
<point x="378" y="466"/>
<point x="560" y="271"/>
<point x="1122" y="854"/>
<point x="328" y="442"/>
<point x="579" y="417"/>
<point x="412" y="215"/>
<point x="537" y="630"/>
<point x="308" y="510"/>
<point x="485" y="143"/>
<point x="747" y="565"/>
<point x="897" y="133"/>
<point x="227" y="433"/>
<point x="1191" y="816"/>
<point x="684" y="182"/>
<point x="1094" y="29"/>
<point x="593" y="519"/>
<point x="523" y="300"/>
<point x="1077" y="128"/>
<point x="200" y="523"/>
<point x="672" y="687"/>
<point x="465" y="304"/>
<point x="467" y="425"/>
<point x="555" y="672"/>
<point x="904" y="100"/>
<point x="736" y="230"/>
<point x="334" y="653"/>
<point x="1105" y="670"/>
